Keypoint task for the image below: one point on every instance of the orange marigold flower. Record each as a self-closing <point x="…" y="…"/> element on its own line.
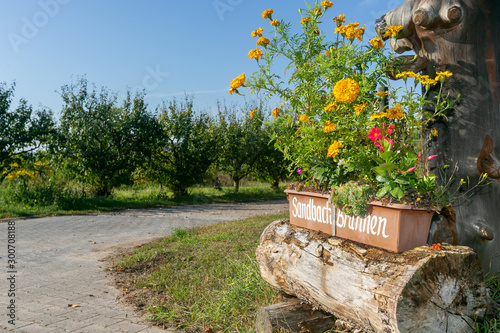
<point x="257" y="32"/>
<point x="393" y="31"/>
<point x="334" y="149"/>
<point x="238" y="81"/>
<point x="346" y="90"/>
<point x="276" y="112"/>
<point x="326" y="4"/>
<point x="263" y="41"/>
<point x="305" y="20"/>
<point x="382" y="94"/>
<point x="253" y="113"/>
<point x="329" y="127"/>
<point x="360" y="107"/>
<point x="436" y="247"/>
<point x="441" y="76"/>
<point x="256" y="54"/>
<point x="275" y="22"/>
<point x="330" y="107"/>
<point x="377" y="43"/>
<point x="232" y="91"/>
<point x="268" y="13"/>
<point x="303" y="118"/>
<point x="339" y="20"/>
<point x="395" y="112"/>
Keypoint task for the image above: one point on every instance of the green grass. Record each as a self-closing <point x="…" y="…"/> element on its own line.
<point x="201" y="277"/>
<point x="129" y="198"/>
<point x="491" y="323"/>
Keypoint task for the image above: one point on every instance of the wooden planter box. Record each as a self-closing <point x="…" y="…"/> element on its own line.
<point x="396" y="228"/>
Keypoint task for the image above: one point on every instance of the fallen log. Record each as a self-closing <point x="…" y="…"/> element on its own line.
<point x="292" y="316"/>
<point x="373" y="290"/>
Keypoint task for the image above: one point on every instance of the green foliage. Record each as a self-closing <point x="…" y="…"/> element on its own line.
<point x="241" y="141"/>
<point x="102" y="143"/>
<point x="187" y="146"/>
<point x="352" y="198"/>
<point x="22" y="130"/>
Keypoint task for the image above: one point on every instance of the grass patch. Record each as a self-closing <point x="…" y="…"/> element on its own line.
<point x="201" y="277"/>
<point x="72" y="202"/>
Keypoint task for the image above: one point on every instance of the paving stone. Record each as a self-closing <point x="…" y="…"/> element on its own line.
<point x="60" y="265"/>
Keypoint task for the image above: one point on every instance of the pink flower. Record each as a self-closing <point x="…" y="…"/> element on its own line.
<point x="299" y="170"/>
<point x="410" y="170"/>
<point x="390" y="129"/>
<point x="374" y="134"/>
<point x="432" y="157"/>
<point x="419" y="155"/>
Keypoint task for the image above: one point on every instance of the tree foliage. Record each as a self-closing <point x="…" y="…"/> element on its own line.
<point x="102" y="143"/>
<point x="22" y="131"/>
<point x="188" y="146"/>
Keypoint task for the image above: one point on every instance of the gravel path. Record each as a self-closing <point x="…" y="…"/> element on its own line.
<point x="57" y="264"/>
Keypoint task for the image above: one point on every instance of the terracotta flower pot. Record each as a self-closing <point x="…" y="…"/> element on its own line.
<point x="396" y="228"/>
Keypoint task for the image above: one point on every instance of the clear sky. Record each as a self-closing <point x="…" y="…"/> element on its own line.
<point x="167" y="47"/>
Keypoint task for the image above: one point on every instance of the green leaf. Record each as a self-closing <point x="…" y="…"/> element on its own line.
<point x="397" y="193"/>
<point x="383" y="191"/>
<point x="387" y="166"/>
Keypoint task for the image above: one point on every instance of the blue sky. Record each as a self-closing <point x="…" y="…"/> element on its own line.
<point x="166" y="47"/>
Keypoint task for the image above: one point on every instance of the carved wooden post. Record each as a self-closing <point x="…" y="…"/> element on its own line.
<point x="462" y="36"/>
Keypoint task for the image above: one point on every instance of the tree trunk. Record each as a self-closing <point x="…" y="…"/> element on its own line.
<point x="461" y="37"/>
<point x="374" y="290"/>
<point x="236" y="185"/>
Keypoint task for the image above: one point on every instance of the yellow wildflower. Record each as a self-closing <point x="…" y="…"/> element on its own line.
<point x="238" y="81"/>
<point x="257" y="32"/>
<point x="425" y="80"/>
<point x="339" y="20"/>
<point x="329" y="127"/>
<point x="303" y="118"/>
<point x="256" y="54"/>
<point x="330" y="107"/>
<point x="330" y="51"/>
<point x="382" y="94"/>
<point x="377" y="43"/>
<point x="441" y="76"/>
<point x="305" y="20"/>
<point x="268" y="13"/>
<point x="232" y="91"/>
<point x="434" y="131"/>
<point x="404" y="75"/>
<point x="393" y="31"/>
<point x="253" y="113"/>
<point x="326" y="4"/>
<point x="378" y="115"/>
<point x="360" y="107"/>
<point x="346" y="90"/>
<point x="263" y="41"/>
<point x="276" y="112"/>
<point x="395" y="112"/>
<point x="275" y="22"/>
<point x="334" y="149"/>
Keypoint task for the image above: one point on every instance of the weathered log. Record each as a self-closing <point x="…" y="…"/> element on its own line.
<point x="292" y="316"/>
<point x="374" y="290"/>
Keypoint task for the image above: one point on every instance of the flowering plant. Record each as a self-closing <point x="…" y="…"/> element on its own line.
<point x="334" y="121"/>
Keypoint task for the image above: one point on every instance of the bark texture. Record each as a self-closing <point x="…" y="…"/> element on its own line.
<point x="374" y="290"/>
<point x="461" y="36"/>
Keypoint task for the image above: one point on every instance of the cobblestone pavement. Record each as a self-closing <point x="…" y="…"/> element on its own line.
<point x="57" y="264"/>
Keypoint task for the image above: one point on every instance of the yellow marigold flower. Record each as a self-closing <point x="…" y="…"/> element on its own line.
<point x="426" y="80"/>
<point x="257" y="32"/>
<point x="275" y="22"/>
<point x="393" y="31"/>
<point x="330" y="51"/>
<point x="305" y="20"/>
<point x="330" y="107"/>
<point x="329" y="127"/>
<point x="360" y="107"/>
<point x="232" y="91"/>
<point x="339" y="20"/>
<point x="256" y="54"/>
<point x="382" y="94"/>
<point x="253" y="112"/>
<point x="268" y="13"/>
<point x="441" y="76"/>
<point x="395" y="113"/>
<point x="378" y="115"/>
<point x="276" y="112"/>
<point x="326" y="4"/>
<point x="346" y="90"/>
<point x="334" y="149"/>
<point x="404" y="75"/>
<point x="238" y="81"/>
<point x="434" y="131"/>
<point x="303" y="118"/>
<point x="263" y="41"/>
<point x="377" y="43"/>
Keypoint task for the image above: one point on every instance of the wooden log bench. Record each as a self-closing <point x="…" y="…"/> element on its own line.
<point x="374" y="290"/>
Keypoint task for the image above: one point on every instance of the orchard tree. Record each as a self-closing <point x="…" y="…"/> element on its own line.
<point x="22" y="131"/>
<point x="187" y="146"/>
<point x="100" y="142"/>
<point x="242" y="141"/>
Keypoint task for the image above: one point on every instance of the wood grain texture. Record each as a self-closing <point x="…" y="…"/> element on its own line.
<point x="374" y="290"/>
